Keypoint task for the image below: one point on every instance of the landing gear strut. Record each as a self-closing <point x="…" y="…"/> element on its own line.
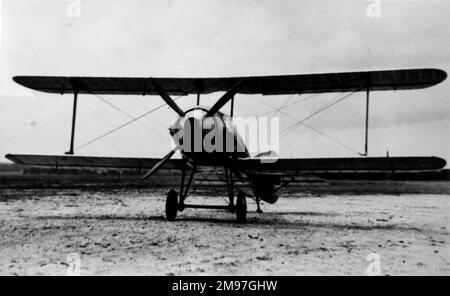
<point x="184" y="190"/>
<point x="171" y="205"/>
<point x="241" y="203"/>
<point x="258" y="210"/>
<point x="230" y="188"/>
<point x="241" y="207"/>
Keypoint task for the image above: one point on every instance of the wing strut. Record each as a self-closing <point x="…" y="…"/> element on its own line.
<point x="74" y="117"/>
<point x="366" y="146"/>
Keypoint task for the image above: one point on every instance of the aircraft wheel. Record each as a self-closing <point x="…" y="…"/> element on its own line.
<point x="241" y="208"/>
<point x="171" y="205"/>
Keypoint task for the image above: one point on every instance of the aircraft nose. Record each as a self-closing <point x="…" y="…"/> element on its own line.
<point x="192" y="125"/>
<point x="176" y="126"/>
<point x="192" y="135"/>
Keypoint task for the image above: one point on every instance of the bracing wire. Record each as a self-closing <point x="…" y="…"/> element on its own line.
<point x="123" y="125"/>
<point x="312" y="96"/>
<point x="320" y="110"/>
<point x="124" y="112"/>
<point x="284" y="106"/>
<point x="329" y="104"/>
<point x="332" y="139"/>
<point x="302" y="100"/>
<point x="286" y="102"/>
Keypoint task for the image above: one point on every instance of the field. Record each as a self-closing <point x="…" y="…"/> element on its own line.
<point x="312" y="230"/>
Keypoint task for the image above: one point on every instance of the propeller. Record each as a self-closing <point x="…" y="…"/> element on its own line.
<point x="165" y="96"/>
<point x="169" y="101"/>
<point x="161" y="162"/>
<point x="226" y="97"/>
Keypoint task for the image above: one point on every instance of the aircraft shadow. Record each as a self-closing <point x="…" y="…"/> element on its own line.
<point x="103" y="218"/>
<point x="268" y="220"/>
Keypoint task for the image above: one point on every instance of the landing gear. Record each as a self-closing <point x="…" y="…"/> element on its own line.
<point x="241" y="207"/>
<point x="230" y="188"/>
<point x="258" y="210"/>
<point x="176" y="203"/>
<point x="171" y="205"/>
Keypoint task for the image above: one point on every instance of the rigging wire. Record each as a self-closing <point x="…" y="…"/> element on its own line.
<point x="196" y="186"/>
<point x="320" y="132"/>
<point x="316" y="94"/>
<point x="123" y="125"/>
<point x="302" y="100"/>
<point x="325" y="107"/>
<point x="331" y="103"/>
<point x="125" y="113"/>
<point x="287" y="106"/>
<point x="286" y="102"/>
<point x="333" y="139"/>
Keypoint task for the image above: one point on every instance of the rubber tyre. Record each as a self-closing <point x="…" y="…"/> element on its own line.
<point x="241" y="208"/>
<point x="171" y="205"/>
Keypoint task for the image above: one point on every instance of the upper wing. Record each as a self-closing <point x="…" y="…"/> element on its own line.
<point x="266" y="85"/>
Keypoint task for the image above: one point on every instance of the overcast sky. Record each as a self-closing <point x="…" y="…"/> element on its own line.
<point x="222" y="38"/>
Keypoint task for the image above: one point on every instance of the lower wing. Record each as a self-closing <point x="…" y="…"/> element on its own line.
<point x="90" y="161"/>
<point x="288" y="166"/>
<point x="337" y="165"/>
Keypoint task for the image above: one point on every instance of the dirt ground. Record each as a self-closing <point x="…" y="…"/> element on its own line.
<point x="123" y="232"/>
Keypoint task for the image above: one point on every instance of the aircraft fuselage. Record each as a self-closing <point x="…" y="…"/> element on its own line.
<point x="214" y="141"/>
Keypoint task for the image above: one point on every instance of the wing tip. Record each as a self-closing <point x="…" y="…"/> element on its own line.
<point x="438" y="162"/>
<point x="441" y="75"/>
<point x="11" y="157"/>
<point x="17" y="79"/>
<point x="22" y="80"/>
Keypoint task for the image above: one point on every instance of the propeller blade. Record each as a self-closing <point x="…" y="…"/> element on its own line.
<point x="165" y="96"/>
<point x="226" y="97"/>
<point x="157" y="166"/>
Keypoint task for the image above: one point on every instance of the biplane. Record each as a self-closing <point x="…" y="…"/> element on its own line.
<point x="264" y="178"/>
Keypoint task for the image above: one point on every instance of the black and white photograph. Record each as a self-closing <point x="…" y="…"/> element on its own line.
<point x="248" y="138"/>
